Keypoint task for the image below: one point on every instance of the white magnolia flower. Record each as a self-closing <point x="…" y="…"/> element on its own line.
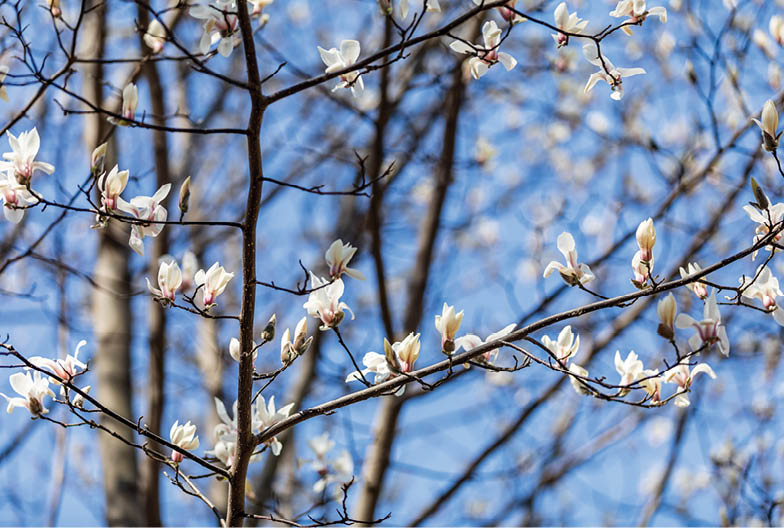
<point x="642" y="270"/>
<point x="338" y="256"/>
<point x="572" y="273"/>
<point x="212" y="282"/>
<point x="637" y="12"/>
<point x="709" y="330"/>
<point x="324" y="302"/>
<point x="225" y="449"/>
<point x="130" y="100"/>
<point x="769" y="126"/>
<point x="398" y="357"/>
<point x="234" y="349"/>
<point x="432" y="6"/>
<point x="766" y="289"/>
<point x="447" y="324"/>
<point x="340" y="59"/>
<point x="568" y="23"/>
<point x="469" y="342"/>
<point x="184" y="437"/>
<point x="267" y="416"/>
<point x="169" y="280"/>
<point x="770" y="217"/>
<point x="485" y="55"/>
<point x="21" y="160"/>
<point x="374" y="363"/>
<point x="155" y="36"/>
<point x="32" y="389"/>
<point x="776" y="28"/>
<point x="65" y="368"/>
<point x="147" y="208"/>
<point x="646" y="239"/>
<point x="111" y="186"/>
<point x="698" y="288"/>
<point x="15" y="198"/>
<point x="682" y="377"/>
<point x="565" y="346"/>
<point x="666" y="310"/>
<point x="290" y="350"/>
<point x="651" y="383"/>
<point x="629" y="369"/>
<point x="577" y="384"/>
<point x="3" y="73"/>
<point x="608" y="72"/>
<point x="219" y="24"/>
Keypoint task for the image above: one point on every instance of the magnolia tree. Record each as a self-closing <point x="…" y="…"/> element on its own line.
<point x="379" y="191"/>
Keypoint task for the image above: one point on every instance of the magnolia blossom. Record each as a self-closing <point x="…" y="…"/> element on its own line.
<point x="234" y="349"/>
<point x="506" y="11"/>
<point x="572" y="273"/>
<point x="578" y="385"/>
<point x="699" y="288"/>
<point x="568" y="23"/>
<point x="111" y="186"/>
<point x="646" y="239"/>
<point x="290" y="350"/>
<point x="398" y="357"/>
<point x="709" y="330"/>
<point x="629" y="369"/>
<point x="212" y="282"/>
<point x="155" y="36"/>
<point x="565" y="346"/>
<point x="338" y="256"/>
<point x="3" y="73"/>
<point x="608" y="72"/>
<point x="666" y="310"/>
<point x="469" y="342"/>
<point x="184" y="437"/>
<point x="766" y="289"/>
<point x="770" y="217"/>
<point x="225" y="434"/>
<point x="149" y="209"/>
<point x="484" y="56"/>
<point x="267" y="416"/>
<point x="769" y="126"/>
<point x="220" y="24"/>
<point x="32" y="390"/>
<point x="447" y="324"/>
<point x="97" y="159"/>
<point x="258" y="6"/>
<point x="375" y="363"/>
<point x="651" y="383"/>
<point x="682" y="377"/>
<point x="338" y="470"/>
<point x="190" y="266"/>
<point x="776" y="28"/>
<point x="225" y="449"/>
<point x="337" y="60"/>
<point x="21" y="159"/>
<point x="637" y="13"/>
<point x="324" y="302"/>
<point x="15" y="198"/>
<point x="432" y="6"/>
<point x="642" y="270"/>
<point x="65" y="369"/>
<point x="130" y="99"/>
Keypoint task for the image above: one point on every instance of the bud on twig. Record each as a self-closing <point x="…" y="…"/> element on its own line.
<point x="268" y="334"/>
<point x="97" y="160"/>
<point x="759" y="194"/>
<point x="185" y="197"/>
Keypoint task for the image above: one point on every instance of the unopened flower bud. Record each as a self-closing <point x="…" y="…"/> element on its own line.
<point x="391" y="357"/>
<point x="759" y="194"/>
<point x="769" y="125"/>
<point x="268" y="334"/>
<point x="54" y="8"/>
<point x="97" y="159"/>
<point x="185" y="195"/>
<point x="646" y="239"/>
<point x="666" y="310"/>
<point x="300" y="333"/>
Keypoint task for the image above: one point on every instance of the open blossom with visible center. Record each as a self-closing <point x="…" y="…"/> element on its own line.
<point x="646" y="239"/>
<point x="3" y="72"/>
<point x="698" y="288"/>
<point x="337" y="60"/>
<point x="572" y="273"/>
<point x="642" y="270"/>
<point x="21" y="159"/>
<point x="432" y="6"/>
<point x="637" y="12"/>
<point x="666" y="310"/>
<point x="486" y="55"/>
<point x="651" y="383"/>
<point x="169" y="280"/>
<point x="219" y="24"/>
<point x="324" y="302"/>
<point x="65" y="368"/>
<point x="234" y="349"/>
<point x="770" y="217"/>
<point x="709" y="330"/>
<point x="184" y="437"/>
<point x="267" y="416"/>
<point x="32" y="389"/>
<point x="769" y="126"/>
<point x="766" y="289"/>
<point x="565" y="346"/>
<point x="149" y="209"/>
<point x="212" y="283"/>
<point x="608" y="72"/>
<point x="578" y="385"/>
<point x="15" y="197"/>
<point x="375" y="363"/>
<point x="469" y="342"/>
<point x="111" y="186"/>
<point x="447" y="324"/>
<point x="338" y="256"/>
<point x="629" y="369"/>
<point x="569" y="23"/>
<point x="398" y="357"/>
<point x="682" y="377"/>
<point x="155" y="36"/>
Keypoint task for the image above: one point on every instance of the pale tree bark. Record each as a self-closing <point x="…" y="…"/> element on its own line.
<point x="111" y="310"/>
